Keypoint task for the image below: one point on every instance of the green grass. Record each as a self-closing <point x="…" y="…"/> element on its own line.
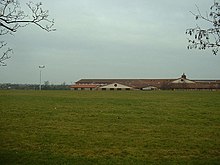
<point x="106" y="127"/>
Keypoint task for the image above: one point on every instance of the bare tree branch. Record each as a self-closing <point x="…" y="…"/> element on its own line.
<point x="202" y="38"/>
<point x="12" y="17"/>
<point x="5" y="55"/>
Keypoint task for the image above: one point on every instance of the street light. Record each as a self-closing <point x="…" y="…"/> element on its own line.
<point x="41" y="67"/>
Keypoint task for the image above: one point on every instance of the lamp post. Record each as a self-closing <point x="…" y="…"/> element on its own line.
<point x="41" y="67"/>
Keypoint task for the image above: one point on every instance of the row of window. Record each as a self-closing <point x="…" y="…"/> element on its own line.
<point x="76" y="89"/>
<point x="104" y="89"/>
<point x="112" y="89"/>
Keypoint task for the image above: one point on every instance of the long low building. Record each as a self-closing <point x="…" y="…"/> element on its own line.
<point x="146" y="84"/>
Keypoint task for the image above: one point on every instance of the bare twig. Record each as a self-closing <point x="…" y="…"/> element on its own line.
<point x="206" y="38"/>
<point x="12" y="17"/>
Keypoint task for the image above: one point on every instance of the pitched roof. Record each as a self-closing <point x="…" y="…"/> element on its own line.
<point x="138" y="83"/>
<point x="158" y="83"/>
<point x="115" y="85"/>
<point x="83" y="86"/>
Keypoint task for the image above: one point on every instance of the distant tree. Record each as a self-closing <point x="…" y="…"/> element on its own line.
<point x="12" y="17"/>
<point x="202" y="38"/>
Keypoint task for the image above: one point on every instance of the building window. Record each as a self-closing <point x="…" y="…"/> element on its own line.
<point x="111" y="89"/>
<point x="119" y="89"/>
<point x="104" y="89"/>
<point x="127" y="89"/>
<point x="115" y="85"/>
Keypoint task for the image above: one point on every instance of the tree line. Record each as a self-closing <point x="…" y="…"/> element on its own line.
<point x="9" y="86"/>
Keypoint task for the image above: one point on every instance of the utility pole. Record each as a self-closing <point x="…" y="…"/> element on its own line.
<point x="41" y="67"/>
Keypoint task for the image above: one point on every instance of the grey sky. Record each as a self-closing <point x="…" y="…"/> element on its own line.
<point x="111" y="39"/>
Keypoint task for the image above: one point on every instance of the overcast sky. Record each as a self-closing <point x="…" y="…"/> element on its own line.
<point x="110" y="39"/>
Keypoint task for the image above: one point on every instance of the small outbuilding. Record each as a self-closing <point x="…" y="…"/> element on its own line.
<point x="149" y="88"/>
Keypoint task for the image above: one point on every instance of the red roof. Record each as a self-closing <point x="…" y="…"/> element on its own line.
<point x="83" y="86"/>
<point x="143" y="83"/>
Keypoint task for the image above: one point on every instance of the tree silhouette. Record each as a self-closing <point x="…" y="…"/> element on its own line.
<point x="202" y="38"/>
<point x="12" y="17"/>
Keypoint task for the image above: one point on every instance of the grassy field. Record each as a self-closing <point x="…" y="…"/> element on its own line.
<point x="105" y="127"/>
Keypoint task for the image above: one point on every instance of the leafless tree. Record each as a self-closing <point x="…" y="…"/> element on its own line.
<point x="13" y="17"/>
<point x="202" y="38"/>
